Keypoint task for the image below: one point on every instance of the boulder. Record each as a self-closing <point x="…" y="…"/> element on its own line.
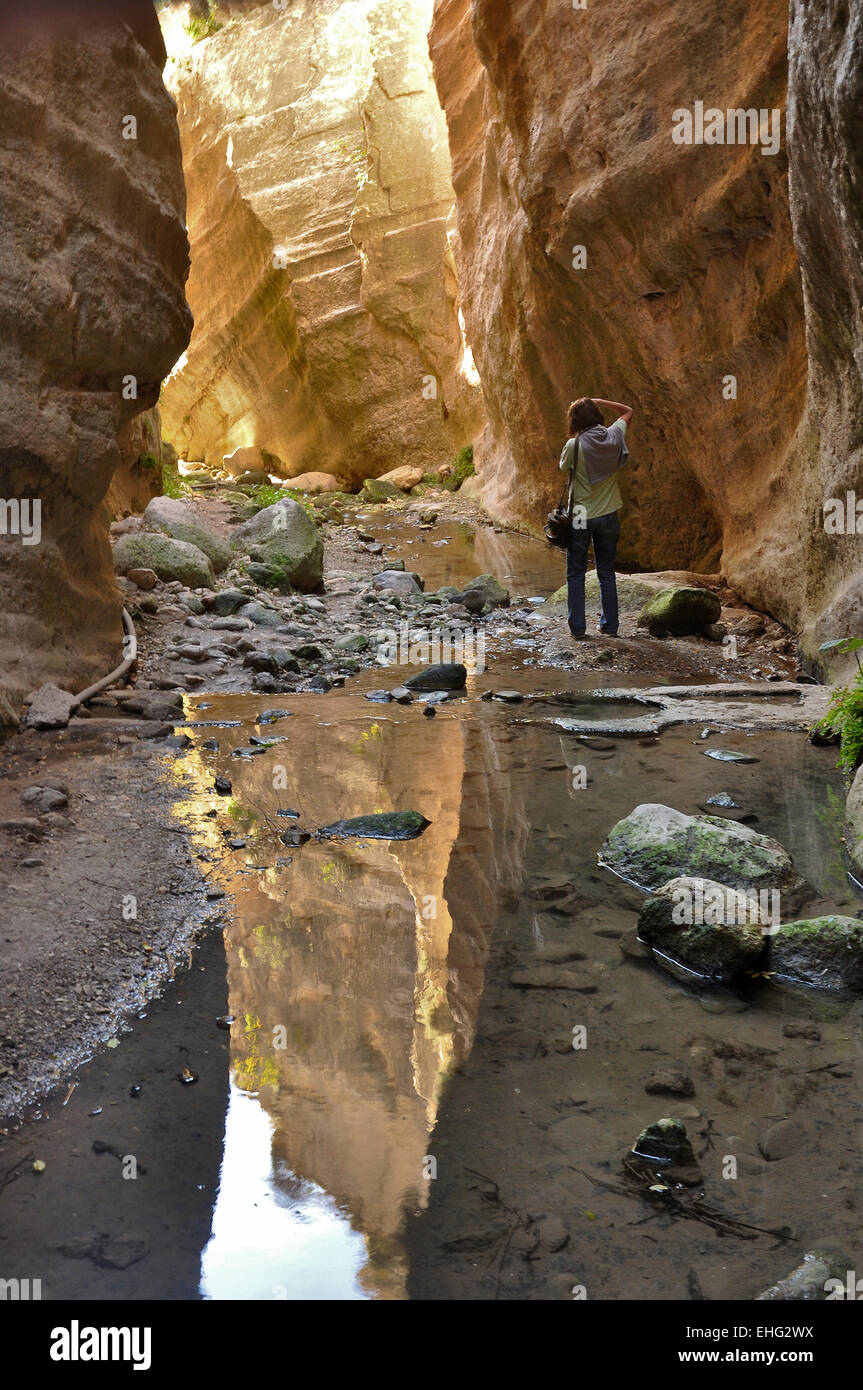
<point x="316" y="482"/>
<point x="161" y="705"/>
<point x="708" y="927"/>
<point x="227" y="601"/>
<point x="42" y="799"/>
<point x="632" y="594"/>
<point x="450" y="675"/>
<point x="286" y="539"/>
<point x="664" y="1146"/>
<point x="50" y="708"/>
<point x="376" y="490"/>
<point x="177" y="518"/>
<point x="655" y="844"/>
<point x="253" y="477"/>
<point x="492" y="594"/>
<point x="242" y="460"/>
<point x="168" y="558"/>
<point x="396" y="582"/>
<point x="680" y="611"/>
<point x="260" y="614"/>
<point x="407" y="476"/>
<point x="822" y="951"/>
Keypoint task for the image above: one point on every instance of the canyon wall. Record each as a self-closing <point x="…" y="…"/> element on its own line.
<point x="825" y="123"/>
<point x="322" y="282"/>
<point x="560" y="123"/>
<point x="92" y="265"/>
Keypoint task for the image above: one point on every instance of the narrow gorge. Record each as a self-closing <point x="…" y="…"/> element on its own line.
<point x="495" y="938"/>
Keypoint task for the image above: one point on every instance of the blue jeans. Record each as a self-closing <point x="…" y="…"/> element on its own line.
<point x="604" y="531"/>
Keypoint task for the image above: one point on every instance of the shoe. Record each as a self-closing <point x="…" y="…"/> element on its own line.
<point x="578" y="636"/>
<point x="606" y="632"/>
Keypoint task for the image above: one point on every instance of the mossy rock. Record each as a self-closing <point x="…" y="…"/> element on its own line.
<point x="655" y="844"/>
<point x="176" y="518"/>
<point x="167" y="557"/>
<point x="385" y="825"/>
<point x="823" y="951"/>
<point x="728" y="939"/>
<point x="285" y="539"/>
<point x="632" y="594"/>
<point x="376" y="490"/>
<point x="682" y="611"/>
<point x="493" y="594"/>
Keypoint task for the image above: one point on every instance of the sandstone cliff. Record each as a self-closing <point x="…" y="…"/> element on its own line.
<point x="322" y="283"/>
<point x="826" y="143"/>
<point x="93" y="259"/>
<point x="560" y="124"/>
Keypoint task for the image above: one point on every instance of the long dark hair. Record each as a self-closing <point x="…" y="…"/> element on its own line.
<point x="583" y="415"/>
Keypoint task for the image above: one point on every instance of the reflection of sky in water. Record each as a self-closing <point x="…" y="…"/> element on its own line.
<point x="267" y="1243"/>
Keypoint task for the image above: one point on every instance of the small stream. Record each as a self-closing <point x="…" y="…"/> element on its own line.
<point x="366" y="980"/>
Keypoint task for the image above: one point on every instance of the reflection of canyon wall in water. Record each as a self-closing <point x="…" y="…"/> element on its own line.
<point x="373" y="959"/>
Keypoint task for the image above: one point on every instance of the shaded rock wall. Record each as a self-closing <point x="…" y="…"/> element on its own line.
<point x="560" y="124"/>
<point x="138" y="475"/>
<point x="322" y="282"/>
<point x="92" y="264"/>
<point x="825" y="45"/>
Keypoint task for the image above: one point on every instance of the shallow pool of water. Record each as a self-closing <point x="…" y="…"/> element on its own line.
<point x="380" y="1053"/>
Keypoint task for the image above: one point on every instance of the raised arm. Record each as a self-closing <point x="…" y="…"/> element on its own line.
<point x="621" y="412"/>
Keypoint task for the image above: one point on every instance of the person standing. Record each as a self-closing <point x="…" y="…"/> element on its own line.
<point x="596" y="453"/>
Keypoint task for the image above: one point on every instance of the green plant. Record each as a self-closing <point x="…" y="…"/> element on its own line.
<point x="845" y="712"/>
<point x="452" y="478"/>
<point x="172" y="484"/>
<point x="202" y="28"/>
<point x="149" y="461"/>
<point x="266" y="494"/>
<point x="463" y="466"/>
<point x="358" y="155"/>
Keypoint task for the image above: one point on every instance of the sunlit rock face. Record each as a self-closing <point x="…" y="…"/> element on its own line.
<point x="92" y="264"/>
<point x="826" y="141"/>
<point x="560" y="124"/>
<point x="322" y="281"/>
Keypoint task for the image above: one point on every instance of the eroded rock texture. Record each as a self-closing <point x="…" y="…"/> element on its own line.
<point x="826" y="142"/>
<point x="322" y="282"/>
<point x="92" y="264"/>
<point x="560" y="126"/>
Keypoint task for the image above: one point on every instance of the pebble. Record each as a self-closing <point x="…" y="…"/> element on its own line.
<point x="780" y="1140"/>
<point x="663" y="1082"/>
